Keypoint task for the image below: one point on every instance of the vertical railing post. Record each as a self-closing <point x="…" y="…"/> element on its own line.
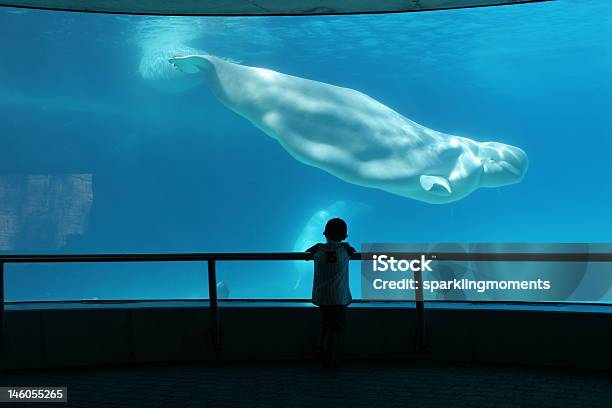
<point x="420" y="312"/>
<point x="213" y="304"/>
<point x="2" y="333"/>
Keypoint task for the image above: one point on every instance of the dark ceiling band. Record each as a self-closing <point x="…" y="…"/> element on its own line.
<point x="252" y="8"/>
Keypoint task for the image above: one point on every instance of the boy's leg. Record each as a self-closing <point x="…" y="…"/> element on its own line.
<point x="322" y="340"/>
<point x="322" y="331"/>
<point x="321" y="345"/>
<point x="332" y="345"/>
<point x="323" y="334"/>
<point x="336" y="325"/>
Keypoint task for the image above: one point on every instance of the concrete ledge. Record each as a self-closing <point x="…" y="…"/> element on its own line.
<point x="84" y="334"/>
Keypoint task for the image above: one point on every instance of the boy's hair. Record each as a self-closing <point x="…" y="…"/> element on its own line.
<point x="335" y="229"/>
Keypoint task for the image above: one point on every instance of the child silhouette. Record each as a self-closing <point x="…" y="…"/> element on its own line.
<point x="330" y="289"/>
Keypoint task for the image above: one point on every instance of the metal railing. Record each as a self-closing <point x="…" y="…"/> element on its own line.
<point x="211" y="258"/>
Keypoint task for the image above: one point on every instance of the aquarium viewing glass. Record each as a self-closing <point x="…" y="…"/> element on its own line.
<point x="107" y="147"/>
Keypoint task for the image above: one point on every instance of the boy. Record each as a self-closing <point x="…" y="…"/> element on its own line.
<point x="330" y="290"/>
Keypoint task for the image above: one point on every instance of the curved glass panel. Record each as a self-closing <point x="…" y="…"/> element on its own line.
<point x="107" y="147"/>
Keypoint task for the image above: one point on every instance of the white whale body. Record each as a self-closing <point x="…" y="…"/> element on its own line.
<point x="355" y="137"/>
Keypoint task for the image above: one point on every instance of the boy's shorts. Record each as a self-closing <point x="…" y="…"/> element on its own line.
<point x="333" y="317"/>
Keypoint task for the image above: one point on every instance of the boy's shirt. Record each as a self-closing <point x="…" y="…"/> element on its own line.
<point x="331" y="273"/>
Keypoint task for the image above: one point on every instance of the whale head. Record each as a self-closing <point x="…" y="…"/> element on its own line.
<point x="502" y="164"/>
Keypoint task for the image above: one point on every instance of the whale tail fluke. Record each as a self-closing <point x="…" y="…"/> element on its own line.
<point x="188" y="64"/>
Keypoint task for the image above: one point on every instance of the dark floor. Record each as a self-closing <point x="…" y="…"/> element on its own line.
<point x="303" y="384"/>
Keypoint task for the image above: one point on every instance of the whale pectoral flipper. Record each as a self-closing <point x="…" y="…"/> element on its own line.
<point x="436" y="185"/>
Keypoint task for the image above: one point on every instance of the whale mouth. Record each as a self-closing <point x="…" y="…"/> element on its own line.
<point x="491" y="164"/>
<point x="502" y="167"/>
<point x="510" y="168"/>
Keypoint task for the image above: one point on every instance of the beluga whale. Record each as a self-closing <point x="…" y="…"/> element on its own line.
<point x="356" y="138"/>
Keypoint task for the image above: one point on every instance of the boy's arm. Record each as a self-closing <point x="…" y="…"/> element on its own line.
<point x="349" y="248"/>
<point x="313" y="248"/>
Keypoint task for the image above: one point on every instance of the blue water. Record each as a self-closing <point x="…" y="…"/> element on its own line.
<point x="98" y="158"/>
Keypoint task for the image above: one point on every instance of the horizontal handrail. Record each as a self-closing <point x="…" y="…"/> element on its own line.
<point x="212" y="257"/>
<point x="176" y="257"/>
<point x="305" y="256"/>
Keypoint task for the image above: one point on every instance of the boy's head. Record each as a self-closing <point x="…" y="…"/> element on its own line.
<point x="335" y="229"/>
